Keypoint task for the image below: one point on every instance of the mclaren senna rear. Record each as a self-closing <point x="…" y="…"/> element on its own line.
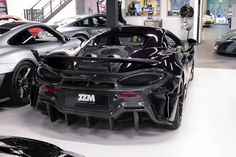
<point x="114" y="89"/>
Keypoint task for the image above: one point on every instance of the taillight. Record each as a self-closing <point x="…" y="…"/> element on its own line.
<point x="49" y="90"/>
<point x="128" y="95"/>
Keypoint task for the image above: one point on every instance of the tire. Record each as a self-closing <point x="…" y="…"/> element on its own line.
<point x="81" y="37"/>
<point x="21" y="83"/>
<point x="192" y="72"/>
<point x="178" y="116"/>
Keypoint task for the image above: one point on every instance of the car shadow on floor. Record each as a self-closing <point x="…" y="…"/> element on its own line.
<point x="7" y="105"/>
<point x="28" y="119"/>
<point x="124" y="133"/>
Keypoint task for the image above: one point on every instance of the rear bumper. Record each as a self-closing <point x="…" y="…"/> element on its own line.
<point x="144" y="106"/>
<point x="5" y="84"/>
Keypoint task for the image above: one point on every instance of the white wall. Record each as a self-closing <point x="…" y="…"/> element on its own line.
<point x="16" y="7"/>
<point x="68" y="11"/>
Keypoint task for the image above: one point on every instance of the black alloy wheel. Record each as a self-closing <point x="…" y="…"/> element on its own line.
<point x="21" y="83"/>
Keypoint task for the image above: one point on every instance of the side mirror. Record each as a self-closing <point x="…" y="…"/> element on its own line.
<point x="192" y="42"/>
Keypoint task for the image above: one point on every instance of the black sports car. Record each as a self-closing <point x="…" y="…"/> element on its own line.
<point x="226" y="44"/>
<point x="24" y="147"/>
<point x="127" y="72"/>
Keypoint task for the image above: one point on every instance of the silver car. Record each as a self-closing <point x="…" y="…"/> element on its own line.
<point x="18" y="41"/>
<point x="84" y="26"/>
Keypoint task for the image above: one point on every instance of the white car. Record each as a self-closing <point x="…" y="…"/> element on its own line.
<point x="208" y="20"/>
<point x="18" y="41"/>
<point x="221" y="20"/>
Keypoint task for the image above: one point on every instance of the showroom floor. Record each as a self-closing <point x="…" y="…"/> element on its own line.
<point x="208" y="127"/>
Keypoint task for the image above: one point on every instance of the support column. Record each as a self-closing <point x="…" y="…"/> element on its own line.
<point x="205" y="7"/>
<point x="112" y="13"/>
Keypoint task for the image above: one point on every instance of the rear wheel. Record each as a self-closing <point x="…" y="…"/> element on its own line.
<point x="21" y="83"/>
<point x="178" y="116"/>
<point x="192" y="72"/>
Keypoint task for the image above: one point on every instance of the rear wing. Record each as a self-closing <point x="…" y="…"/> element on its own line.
<point x="90" y="63"/>
<point x="101" y="60"/>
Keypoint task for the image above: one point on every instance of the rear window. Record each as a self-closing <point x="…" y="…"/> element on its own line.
<point x="123" y="39"/>
<point x="66" y="21"/>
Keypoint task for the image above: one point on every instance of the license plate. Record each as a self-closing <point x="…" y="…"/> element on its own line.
<point x="86" y="98"/>
<point x="92" y="99"/>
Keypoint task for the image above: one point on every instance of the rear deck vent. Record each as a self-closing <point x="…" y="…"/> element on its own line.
<point x="90" y="84"/>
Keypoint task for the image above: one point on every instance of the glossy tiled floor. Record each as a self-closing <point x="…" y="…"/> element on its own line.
<point x="208" y="127"/>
